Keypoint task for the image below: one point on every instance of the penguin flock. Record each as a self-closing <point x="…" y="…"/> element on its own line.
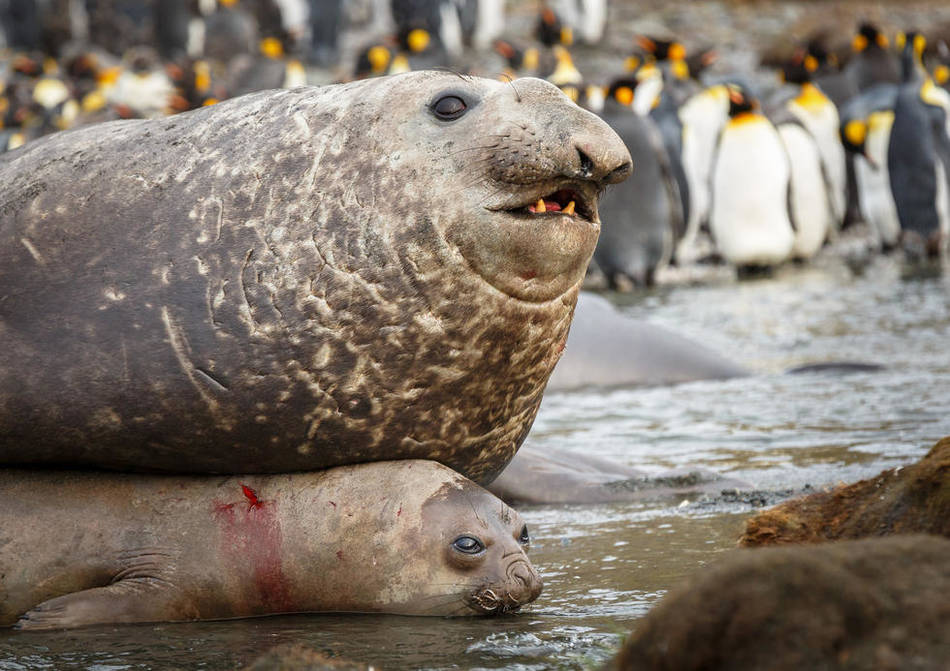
<point x="851" y="132"/>
<point x="755" y="176"/>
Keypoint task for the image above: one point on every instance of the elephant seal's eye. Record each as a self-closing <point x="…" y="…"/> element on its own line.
<point x="524" y="539"/>
<point x="449" y="108"/>
<point x="468" y="545"/>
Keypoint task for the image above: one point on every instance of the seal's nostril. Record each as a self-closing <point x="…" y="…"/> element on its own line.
<point x="587" y="165"/>
<point x="619" y="173"/>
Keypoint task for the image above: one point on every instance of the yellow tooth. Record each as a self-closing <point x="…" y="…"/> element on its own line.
<point x="539" y="208"/>
<point x="569" y="209"/>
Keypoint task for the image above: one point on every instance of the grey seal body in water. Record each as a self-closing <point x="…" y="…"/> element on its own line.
<point x="298" y="279"/>
<point x="557" y="476"/>
<point x="608" y="349"/>
<point x="409" y="537"/>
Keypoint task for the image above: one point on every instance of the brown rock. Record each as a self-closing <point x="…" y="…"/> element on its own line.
<point x="909" y="499"/>
<point x="852" y="605"/>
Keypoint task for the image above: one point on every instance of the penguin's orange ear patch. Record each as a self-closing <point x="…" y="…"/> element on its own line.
<point x="646" y="43"/>
<point x="856" y="132"/>
<point x="624" y="95"/>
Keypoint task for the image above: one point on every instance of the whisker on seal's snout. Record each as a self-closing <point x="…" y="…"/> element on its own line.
<point x="488" y="602"/>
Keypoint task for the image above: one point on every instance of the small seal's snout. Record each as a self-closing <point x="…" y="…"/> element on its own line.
<point x="520" y="585"/>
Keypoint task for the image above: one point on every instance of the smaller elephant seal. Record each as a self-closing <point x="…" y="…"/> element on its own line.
<point x="407" y="537"/>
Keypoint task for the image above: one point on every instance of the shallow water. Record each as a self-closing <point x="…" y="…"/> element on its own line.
<point x="605" y="565"/>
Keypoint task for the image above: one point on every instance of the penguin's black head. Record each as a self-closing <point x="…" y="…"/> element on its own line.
<point x="374" y="60"/>
<point x="414" y="40"/>
<point x="26" y="64"/>
<point x="911" y="46"/>
<point x="740" y="101"/>
<point x="662" y="50"/>
<point x="912" y="43"/>
<point x="698" y="61"/>
<point x="799" y="68"/>
<point x="142" y="60"/>
<point x="517" y="58"/>
<point x="823" y="57"/>
<point x="868" y="35"/>
<point x="512" y="54"/>
<point x="551" y="30"/>
<point x="622" y="90"/>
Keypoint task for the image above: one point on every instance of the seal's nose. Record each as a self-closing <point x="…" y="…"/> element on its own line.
<point x="603" y="158"/>
<point x="580" y="143"/>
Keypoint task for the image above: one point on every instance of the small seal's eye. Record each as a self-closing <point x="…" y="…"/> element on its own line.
<point x="469" y="545"/>
<point x="523" y="538"/>
<point x="449" y="108"/>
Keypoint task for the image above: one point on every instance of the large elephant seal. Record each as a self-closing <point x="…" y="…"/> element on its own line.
<point x="298" y="279"/>
<point x="409" y="537"/>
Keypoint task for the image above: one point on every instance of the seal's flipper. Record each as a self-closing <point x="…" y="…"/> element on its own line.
<point x="126" y="601"/>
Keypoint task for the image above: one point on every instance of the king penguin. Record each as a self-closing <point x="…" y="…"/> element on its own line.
<point x="703" y="117"/>
<point x="919" y="156"/>
<point x="866" y="122"/>
<point x="872" y="62"/>
<point x="810" y="202"/>
<point x="640" y="215"/>
<point x="819" y="115"/>
<point x="326" y="23"/>
<point x="228" y="32"/>
<point x="749" y="219"/>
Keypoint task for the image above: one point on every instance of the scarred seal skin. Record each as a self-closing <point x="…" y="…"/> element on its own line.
<point x="408" y="537"/>
<point x="297" y="279"/>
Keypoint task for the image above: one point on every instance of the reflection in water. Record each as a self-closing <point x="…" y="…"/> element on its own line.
<point x="604" y="566"/>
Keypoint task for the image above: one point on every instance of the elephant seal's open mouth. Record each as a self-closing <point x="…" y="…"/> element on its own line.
<point x="569" y="200"/>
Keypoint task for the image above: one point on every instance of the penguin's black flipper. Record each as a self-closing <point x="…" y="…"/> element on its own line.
<point x="837" y="367"/>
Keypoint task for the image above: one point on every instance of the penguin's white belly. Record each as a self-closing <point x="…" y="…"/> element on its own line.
<point x="593" y="21"/>
<point x="491" y="23"/>
<point x="749" y="216"/>
<point x="810" y="204"/>
<point x="823" y="124"/>
<point x="703" y="117"/>
<point x="943" y="201"/>
<point x="874" y="183"/>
